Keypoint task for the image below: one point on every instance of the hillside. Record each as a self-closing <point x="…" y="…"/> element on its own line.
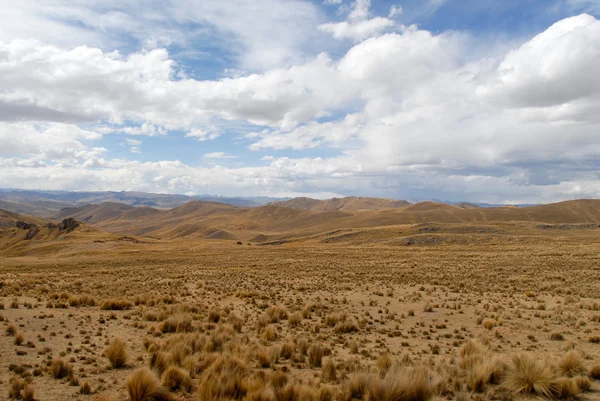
<point x="349" y="204"/>
<point x="47" y="204"/>
<point x="219" y="221"/>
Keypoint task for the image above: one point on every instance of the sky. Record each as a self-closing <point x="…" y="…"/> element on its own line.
<point x="459" y="100"/>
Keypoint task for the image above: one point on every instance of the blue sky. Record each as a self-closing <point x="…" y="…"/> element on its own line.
<point x="491" y="101"/>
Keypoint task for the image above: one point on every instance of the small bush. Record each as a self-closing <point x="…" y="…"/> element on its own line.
<point x="529" y="375"/>
<point x="142" y="385"/>
<point x="175" y="379"/>
<point x="402" y="384"/>
<point x="571" y="364"/>
<point x="315" y="356"/>
<point x="116" y="353"/>
<point x="19" y="339"/>
<point x="60" y="369"/>
<point x="565" y="388"/>
<point x="116" y="304"/>
<point x="595" y="372"/>
<point x="329" y="373"/>
<point x="557" y="337"/>
<point x="181" y="323"/>
<point x="85" y="388"/>
<point x="11" y="330"/>
<point x="270" y="334"/>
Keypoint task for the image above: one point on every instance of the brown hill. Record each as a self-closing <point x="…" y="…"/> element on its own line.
<point x="215" y="220"/>
<point x="95" y="213"/>
<point x="349" y="204"/>
<point x="9" y="219"/>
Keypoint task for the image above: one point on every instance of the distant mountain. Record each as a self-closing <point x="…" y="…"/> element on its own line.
<point x="48" y="203"/>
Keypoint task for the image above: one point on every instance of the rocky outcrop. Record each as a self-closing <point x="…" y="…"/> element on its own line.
<point x="69" y="224"/>
<point x="24" y="225"/>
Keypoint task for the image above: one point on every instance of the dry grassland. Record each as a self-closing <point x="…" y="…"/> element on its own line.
<point x="212" y="320"/>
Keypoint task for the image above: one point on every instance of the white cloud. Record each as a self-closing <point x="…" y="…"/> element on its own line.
<point x="358" y="26"/>
<point x="133" y="142"/>
<point x="395" y="11"/>
<point x="219" y="155"/>
<point x="260" y="34"/>
<point x="408" y="113"/>
<point x="556" y="69"/>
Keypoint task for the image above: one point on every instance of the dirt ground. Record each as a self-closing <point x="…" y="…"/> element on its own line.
<point x="322" y="315"/>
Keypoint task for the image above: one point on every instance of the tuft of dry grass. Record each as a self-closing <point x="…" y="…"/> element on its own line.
<point x="175" y="379"/>
<point x="595" y="372"/>
<point x="142" y="385"/>
<point x="116" y="353"/>
<point x="19" y="339"/>
<point x="10" y="330"/>
<point x="329" y="371"/>
<point x="571" y="364"/>
<point x="116" y="304"/>
<point x="402" y="384"/>
<point x="270" y="334"/>
<point x="85" y="388"/>
<point x="315" y="356"/>
<point x="565" y="388"/>
<point x="159" y="361"/>
<point x="529" y="375"/>
<point x="225" y="379"/>
<point x="60" y="369"/>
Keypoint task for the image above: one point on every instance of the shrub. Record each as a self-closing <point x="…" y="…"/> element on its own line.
<point x="142" y="385"/>
<point x="159" y="361"/>
<point x="384" y="363"/>
<point x="315" y="356"/>
<point x="60" y="369"/>
<point x="276" y="313"/>
<point x="224" y="380"/>
<point x="175" y="379"/>
<point x="346" y="326"/>
<point x="287" y="350"/>
<point x="595" y="372"/>
<point x="557" y="337"/>
<point x="565" y="388"/>
<point x="11" y="330"/>
<point x="264" y="358"/>
<point x="15" y="385"/>
<point x="181" y="323"/>
<point x="571" y="364"/>
<point x="19" y="339"/>
<point x="85" y="388"/>
<point x="270" y="334"/>
<point x="402" y="384"/>
<point x="355" y="387"/>
<point x="116" y="353"/>
<point x="489" y="323"/>
<point x="115" y="304"/>
<point x="329" y="371"/>
<point x="295" y="319"/>
<point x="583" y="383"/>
<point x="529" y="375"/>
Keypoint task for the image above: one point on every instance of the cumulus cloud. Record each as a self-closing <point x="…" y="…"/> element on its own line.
<point x="403" y="112"/>
<point x="358" y="26"/>
<point x="258" y="34"/>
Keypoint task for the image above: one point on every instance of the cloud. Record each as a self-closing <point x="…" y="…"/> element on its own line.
<point x="564" y="75"/>
<point x="133" y="142"/>
<point x="402" y="112"/>
<point x="358" y="26"/>
<point x="395" y="11"/>
<point x="219" y="155"/>
<point x="258" y="34"/>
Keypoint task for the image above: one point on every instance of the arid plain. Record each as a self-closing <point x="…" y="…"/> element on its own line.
<point x="302" y="300"/>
